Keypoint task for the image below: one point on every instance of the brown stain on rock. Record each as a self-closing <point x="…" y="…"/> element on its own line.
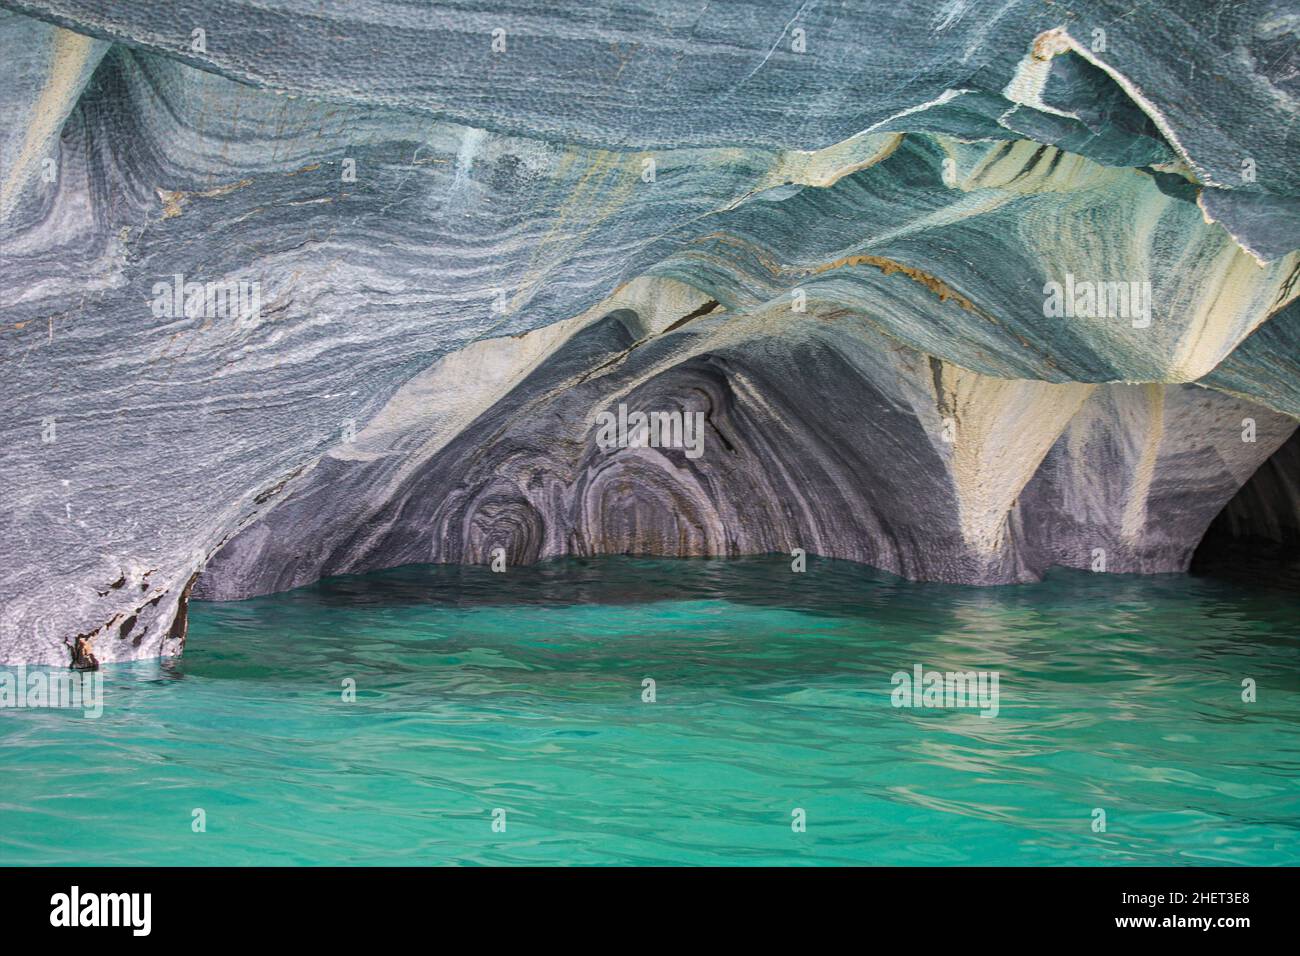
<point x="83" y="656"/>
<point x="936" y="285"/>
<point x="181" y="622"/>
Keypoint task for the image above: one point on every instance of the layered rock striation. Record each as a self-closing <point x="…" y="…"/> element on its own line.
<point x="961" y="292"/>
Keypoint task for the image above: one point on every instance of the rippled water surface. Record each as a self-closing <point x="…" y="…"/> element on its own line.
<point x="523" y="691"/>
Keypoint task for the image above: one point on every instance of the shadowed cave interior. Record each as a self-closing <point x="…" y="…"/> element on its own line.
<point x="818" y="435"/>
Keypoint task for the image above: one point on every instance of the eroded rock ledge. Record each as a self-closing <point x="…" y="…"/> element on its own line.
<point x="837" y="252"/>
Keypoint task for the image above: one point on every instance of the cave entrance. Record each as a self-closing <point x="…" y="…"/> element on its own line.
<point x="1256" y="537"/>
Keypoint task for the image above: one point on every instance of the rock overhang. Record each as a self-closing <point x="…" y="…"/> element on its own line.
<point x="914" y="211"/>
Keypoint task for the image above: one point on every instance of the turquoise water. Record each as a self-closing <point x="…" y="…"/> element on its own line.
<point x="523" y="692"/>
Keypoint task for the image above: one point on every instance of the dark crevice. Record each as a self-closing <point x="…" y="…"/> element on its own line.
<point x="180" y="623"/>
<point x="705" y="309"/>
<point x="1256" y="537"/>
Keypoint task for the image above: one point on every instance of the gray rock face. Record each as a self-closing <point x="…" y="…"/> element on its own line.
<point x="960" y="292"/>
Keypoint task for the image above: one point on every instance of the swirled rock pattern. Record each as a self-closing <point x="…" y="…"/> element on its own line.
<point x="830" y="231"/>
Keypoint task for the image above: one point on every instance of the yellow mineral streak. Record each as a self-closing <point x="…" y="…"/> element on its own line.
<point x="174" y="199"/>
<point x="70" y="56"/>
<point x="890" y="266"/>
<point x="1238" y="296"/>
<point x="1003" y="428"/>
<point x="941" y="289"/>
<point x="1135" y="509"/>
<point x="826" y="167"/>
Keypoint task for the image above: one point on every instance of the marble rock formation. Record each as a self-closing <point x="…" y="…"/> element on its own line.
<point x="962" y="291"/>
